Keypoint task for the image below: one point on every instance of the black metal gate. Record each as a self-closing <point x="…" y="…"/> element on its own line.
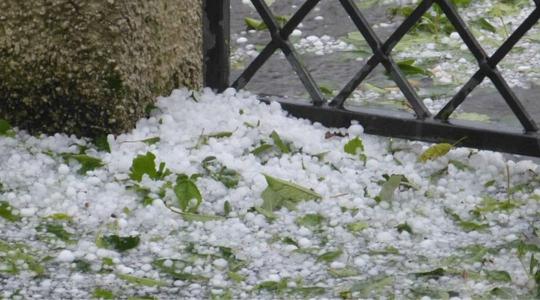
<point x="422" y="125"/>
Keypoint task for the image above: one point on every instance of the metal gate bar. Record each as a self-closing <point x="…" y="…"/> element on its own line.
<point x="420" y="126"/>
<point x="216" y="40"/>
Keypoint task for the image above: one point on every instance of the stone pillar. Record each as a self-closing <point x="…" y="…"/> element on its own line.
<point x="91" y="67"/>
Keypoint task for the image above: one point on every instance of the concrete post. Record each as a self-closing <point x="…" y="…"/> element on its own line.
<point x="91" y="67"/>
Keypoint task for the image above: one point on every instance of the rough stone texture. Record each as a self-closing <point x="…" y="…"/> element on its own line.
<point x="90" y="67"/>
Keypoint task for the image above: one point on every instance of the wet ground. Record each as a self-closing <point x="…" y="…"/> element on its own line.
<point x="335" y="68"/>
<point x="277" y="77"/>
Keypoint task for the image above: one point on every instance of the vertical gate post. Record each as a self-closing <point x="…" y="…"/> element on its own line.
<point x="216" y="43"/>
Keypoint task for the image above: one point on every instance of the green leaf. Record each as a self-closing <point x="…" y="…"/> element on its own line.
<point x="102" y="144"/>
<point x="490" y="183"/>
<point x="346" y="295"/>
<point x="144" y="194"/>
<point x="533" y="265"/>
<point x="281" y="193"/>
<point x="149" y="108"/>
<point x="226" y="252"/>
<point x="107" y="261"/>
<point x="308" y="292"/>
<point x="436" y="151"/>
<point x="501" y="276"/>
<point x="260" y="25"/>
<point x="372" y="286"/>
<point x="502" y="293"/>
<point x="461" y="3"/>
<point x="522" y="247"/>
<point x="60" y="217"/>
<point x="203" y="139"/>
<point x="290" y="241"/>
<point x="268" y="214"/>
<point x="262" y="149"/>
<point x="290" y="190"/>
<point x="6" y="212"/>
<point x="234" y="263"/>
<point x="16" y="257"/>
<point x="200" y="218"/>
<point x="219" y="135"/>
<point x="424" y="291"/>
<point x="174" y="270"/>
<point x="390" y="250"/>
<point x="88" y="163"/>
<point x="273" y="286"/>
<point x="525" y="187"/>
<point x="354" y="146"/>
<point x="476" y="253"/>
<point x="143" y="164"/>
<point x="327" y="90"/>
<point x="148" y="141"/>
<point x="436" y="176"/>
<point x="254" y="24"/>
<point x="405" y="182"/>
<point x="5" y="129"/>
<point x="82" y="265"/>
<point x="221" y="295"/>
<point x="357" y="227"/>
<point x="502" y="9"/>
<point x="371" y="87"/>
<point x="221" y="173"/>
<point x="310" y="220"/>
<point x="185" y="191"/>
<point x="408" y="67"/>
<point x="469" y="116"/>
<point x="102" y="294"/>
<point x="309" y="250"/>
<point x="461" y="166"/>
<point x="329" y="256"/>
<point x="433" y="274"/>
<point x="388" y="188"/>
<point x="537" y="281"/>
<point x="142" y="298"/>
<point x="404" y="227"/>
<point x="489" y="204"/>
<point x="57" y="230"/>
<point x="343" y="272"/>
<point x="141" y="281"/>
<point x="152" y="140"/>
<point x="250" y="125"/>
<point x="356" y="39"/>
<point x="226" y="208"/>
<point x="467" y="226"/>
<point x="120" y="243"/>
<point x="272" y="201"/>
<point x="236" y="277"/>
<point x="284" y="148"/>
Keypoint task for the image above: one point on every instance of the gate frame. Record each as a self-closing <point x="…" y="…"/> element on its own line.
<point x="422" y="126"/>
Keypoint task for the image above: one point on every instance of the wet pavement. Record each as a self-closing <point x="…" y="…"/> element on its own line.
<point x="333" y="70"/>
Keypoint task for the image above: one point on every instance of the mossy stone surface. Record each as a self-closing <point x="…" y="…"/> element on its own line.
<point x="91" y="67"/>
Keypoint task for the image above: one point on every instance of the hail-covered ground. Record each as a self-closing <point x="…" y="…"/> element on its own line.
<point x="223" y="197"/>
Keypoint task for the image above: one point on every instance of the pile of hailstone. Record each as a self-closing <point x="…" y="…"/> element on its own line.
<point x="222" y="197"/>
